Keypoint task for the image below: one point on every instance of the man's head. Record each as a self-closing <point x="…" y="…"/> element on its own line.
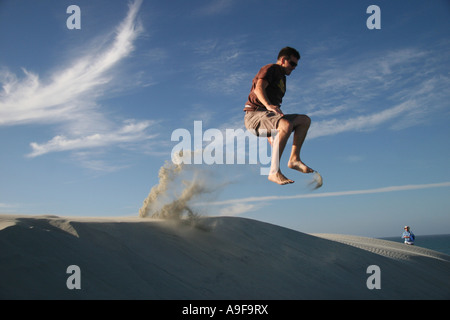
<point x="288" y="58"/>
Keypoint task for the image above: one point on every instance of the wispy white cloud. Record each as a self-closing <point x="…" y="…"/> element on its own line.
<point x="10" y="207"/>
<point x="6" y="206"/>
<point x="328" y="111"/>
<point x="222" y="64"/>
<point x="359" y="123"/>
<point x="241" y="201"/>
<point x="91" y="159"/>
<point x="131" y="131"/>
<point x="214" y="7"/>
<point x="365" y="77"/>
<point x="32" y="100"/>
<point x="238" y="208"/>
<point x="69" y="97"/>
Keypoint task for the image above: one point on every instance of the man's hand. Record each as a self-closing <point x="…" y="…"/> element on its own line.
<point x="275" y="109"/>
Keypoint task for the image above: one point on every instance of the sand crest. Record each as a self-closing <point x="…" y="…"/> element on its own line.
<point x="227" y="258"/>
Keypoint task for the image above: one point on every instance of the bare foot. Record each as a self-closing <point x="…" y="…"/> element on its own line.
<point x="300" y="166"/>
<point x="279" y="178"/>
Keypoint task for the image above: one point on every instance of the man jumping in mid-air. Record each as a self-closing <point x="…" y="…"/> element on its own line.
<point x="263" y="114"/>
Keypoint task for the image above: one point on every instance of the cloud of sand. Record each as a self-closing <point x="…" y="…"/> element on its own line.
<point x="179" y="185"/>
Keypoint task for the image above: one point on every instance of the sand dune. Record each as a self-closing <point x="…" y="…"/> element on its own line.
<point x="226" y="258"/>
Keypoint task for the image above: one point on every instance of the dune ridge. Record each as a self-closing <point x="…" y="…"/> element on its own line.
<point x="227" y="258"/>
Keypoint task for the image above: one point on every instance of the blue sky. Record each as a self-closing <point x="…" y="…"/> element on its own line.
<point x="86" y="115"/>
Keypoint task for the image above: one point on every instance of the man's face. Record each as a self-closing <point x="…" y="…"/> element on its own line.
<point x="289" y="64"/>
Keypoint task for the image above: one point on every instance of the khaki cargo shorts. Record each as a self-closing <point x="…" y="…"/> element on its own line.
<point x="261" y="123"/>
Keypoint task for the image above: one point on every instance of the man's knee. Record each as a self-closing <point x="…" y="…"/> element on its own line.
<point x="285" y="125"/>
<point x="303" y="119"/>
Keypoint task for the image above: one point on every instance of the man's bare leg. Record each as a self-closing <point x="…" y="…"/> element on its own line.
<point x="278" y="144"/>
<point x="301" y="126"/>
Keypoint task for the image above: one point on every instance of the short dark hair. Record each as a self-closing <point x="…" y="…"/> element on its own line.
<point x="288" y="52"/>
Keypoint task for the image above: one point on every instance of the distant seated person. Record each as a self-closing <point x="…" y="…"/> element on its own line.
<point x="408" y="236"/>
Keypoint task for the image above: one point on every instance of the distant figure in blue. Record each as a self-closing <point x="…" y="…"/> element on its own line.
<point x="408" y="236"/>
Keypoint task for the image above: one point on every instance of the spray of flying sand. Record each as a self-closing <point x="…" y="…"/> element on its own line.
<point x="156" y="205"/>
<point x="167" y="201"/>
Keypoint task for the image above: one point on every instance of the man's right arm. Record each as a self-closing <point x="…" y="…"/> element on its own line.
<point x="260" y="91"/>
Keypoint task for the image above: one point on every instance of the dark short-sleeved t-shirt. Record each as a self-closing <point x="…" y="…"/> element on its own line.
<point x="275" y="75"/>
